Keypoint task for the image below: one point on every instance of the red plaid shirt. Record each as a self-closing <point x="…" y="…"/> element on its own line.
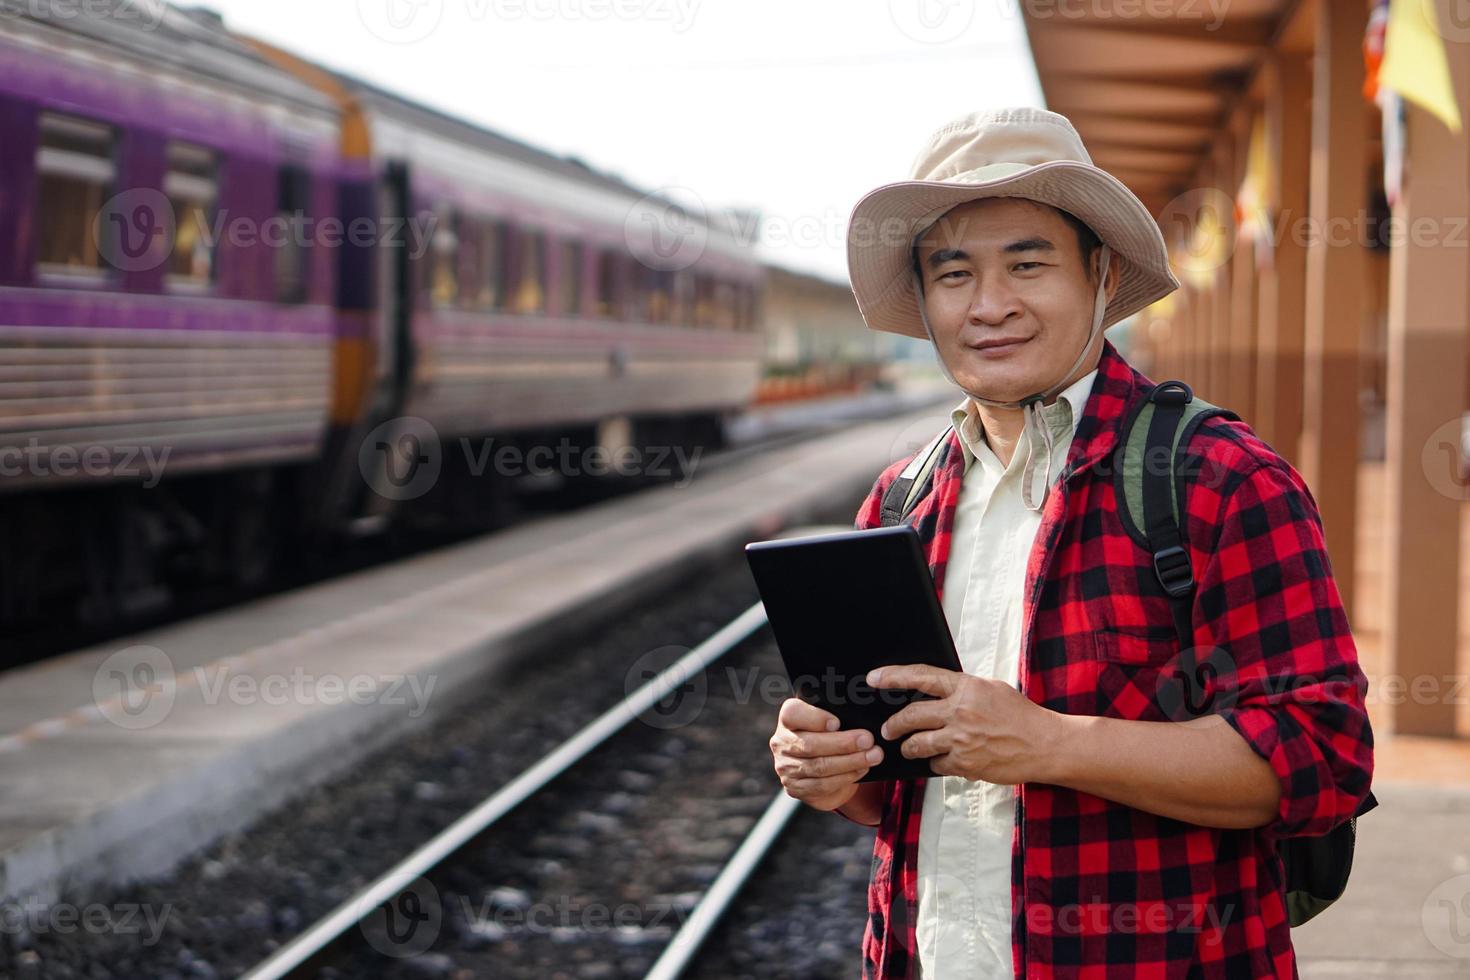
<point x="1099" y="889"/>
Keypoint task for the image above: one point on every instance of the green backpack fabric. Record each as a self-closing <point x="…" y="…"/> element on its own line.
<point x="1149" y="499"/>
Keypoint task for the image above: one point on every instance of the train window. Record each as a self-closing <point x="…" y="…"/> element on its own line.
<point x="293" y="193"/>
<point x="530" y="292"/>
<point x="704" y="301"/>
<point x="739" y="319"/>
<point x="569" y="280"/>
<point x="468" y="262"/>
<point x="683" y="297"/>
<point x="488" y="288"/>
<point x="724" y="303"/>
<point x="609" y="263"/>
<point x="192" y="187"/>
<point x="444" y="264"/>
<point x="635" y="298"/>
<point x="753" y="311"/>
<point x="660" y="295"/>
<point x="734" y="299"/>
<point x="742" y="306"/>
<point x="75" y="173"/>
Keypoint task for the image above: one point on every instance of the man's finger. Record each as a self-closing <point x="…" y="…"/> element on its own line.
<point x="799" y="716"/>
<point x="812" y="745"/>
<point x="914" y="717"/>
<point x="923" y="745"/>
<point x="823" y="787"/>
<point x="837" y="765"/>
<point x="920" y="677"/>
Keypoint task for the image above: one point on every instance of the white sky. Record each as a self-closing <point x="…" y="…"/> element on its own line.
<point x="794" y="107"/>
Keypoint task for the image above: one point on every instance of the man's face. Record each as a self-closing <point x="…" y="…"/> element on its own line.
<point x="1007" y="269"/>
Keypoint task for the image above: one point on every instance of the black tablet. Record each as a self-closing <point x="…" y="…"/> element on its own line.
<point x="843" y="603"/>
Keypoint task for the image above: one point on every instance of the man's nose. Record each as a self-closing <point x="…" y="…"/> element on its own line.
<point x="994" y="300"/>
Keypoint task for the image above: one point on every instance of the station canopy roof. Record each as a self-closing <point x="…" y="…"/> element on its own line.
<point x="1149" y="84"/>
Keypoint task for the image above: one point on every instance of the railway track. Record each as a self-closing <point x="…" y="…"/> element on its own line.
<point x="401" y="915"/>
<point x="383" y="916"/>
<point x="237" y="899"/>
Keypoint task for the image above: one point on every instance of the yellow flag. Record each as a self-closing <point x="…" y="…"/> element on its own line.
<point x="1414" y="62"/>
<point x="1253" y="200"/>
<point x="1208" y="249"/>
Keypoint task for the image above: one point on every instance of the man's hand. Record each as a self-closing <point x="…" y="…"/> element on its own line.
<point x="978" y="728"/>
<point x="1201" y="771"/>
<point x="818" y="764"/>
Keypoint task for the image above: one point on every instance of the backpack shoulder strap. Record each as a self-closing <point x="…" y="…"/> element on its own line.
<point x="1151" y="490"/>
<point x="908" y="487"/>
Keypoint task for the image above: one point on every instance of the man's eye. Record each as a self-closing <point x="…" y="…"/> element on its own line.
<point x="953" y="272"/>
<point x="1022" y="265"/>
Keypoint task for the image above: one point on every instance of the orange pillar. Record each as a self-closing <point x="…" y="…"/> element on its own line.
<point x="1428" y="312"/>
<point x="1240" y="389"/>
<point x="1223" y="179"/>
<point x="1283" y="286"/>
<point x="1189" y="364"/>
<point x="1331" y="416"/>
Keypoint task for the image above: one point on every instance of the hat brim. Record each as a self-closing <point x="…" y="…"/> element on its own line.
<point x="884" y="222"/>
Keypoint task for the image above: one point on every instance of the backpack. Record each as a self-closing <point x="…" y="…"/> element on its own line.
<point x="1315" y="868"/>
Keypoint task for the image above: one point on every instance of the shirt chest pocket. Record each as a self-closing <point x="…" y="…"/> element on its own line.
<point x="1134" y="669"/>
<point x="1136" y="646"/>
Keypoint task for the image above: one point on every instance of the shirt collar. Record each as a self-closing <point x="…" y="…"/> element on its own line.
<point x="1063" y="414"/>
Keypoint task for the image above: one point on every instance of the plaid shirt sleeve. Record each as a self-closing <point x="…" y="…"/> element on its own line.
<point x="1269" y="614"/>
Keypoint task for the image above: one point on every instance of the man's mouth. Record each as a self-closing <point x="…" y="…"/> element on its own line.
<point x="998" y="346"/>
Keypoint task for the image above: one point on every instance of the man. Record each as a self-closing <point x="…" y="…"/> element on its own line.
<point x="1078" y="824"/>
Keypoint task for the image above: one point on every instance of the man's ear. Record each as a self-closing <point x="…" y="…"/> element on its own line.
<point x="1115" y="268"/>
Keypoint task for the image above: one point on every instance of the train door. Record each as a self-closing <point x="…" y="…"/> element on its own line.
<point x="376" y="294"/>
<point x="395" y="205"/>
<point x="398" y="456"/>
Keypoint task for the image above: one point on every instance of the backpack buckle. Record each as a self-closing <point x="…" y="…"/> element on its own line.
<point x="1172" y="393"/>
<point x="1171" y="565"/>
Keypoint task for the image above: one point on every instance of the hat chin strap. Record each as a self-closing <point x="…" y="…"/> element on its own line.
<point x="1040" y="442"/>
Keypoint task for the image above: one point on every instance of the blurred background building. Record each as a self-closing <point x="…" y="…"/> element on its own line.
<point x="817" y="342"/>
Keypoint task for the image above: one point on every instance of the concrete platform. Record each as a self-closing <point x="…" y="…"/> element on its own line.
<point x="121" y="760"/>
<point x="1406" y="911"/>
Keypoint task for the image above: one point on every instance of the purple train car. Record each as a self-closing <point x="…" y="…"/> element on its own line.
<point x="158" y="374"/>
<point x="513" y="292"/>
<point x="239" y="293"/>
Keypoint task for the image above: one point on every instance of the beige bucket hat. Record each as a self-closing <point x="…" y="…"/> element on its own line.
<point x="1017" y="152"/>
<point x="1014" y="152"/>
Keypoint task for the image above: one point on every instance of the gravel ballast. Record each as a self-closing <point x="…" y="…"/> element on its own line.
<point x="589" y="879"/>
